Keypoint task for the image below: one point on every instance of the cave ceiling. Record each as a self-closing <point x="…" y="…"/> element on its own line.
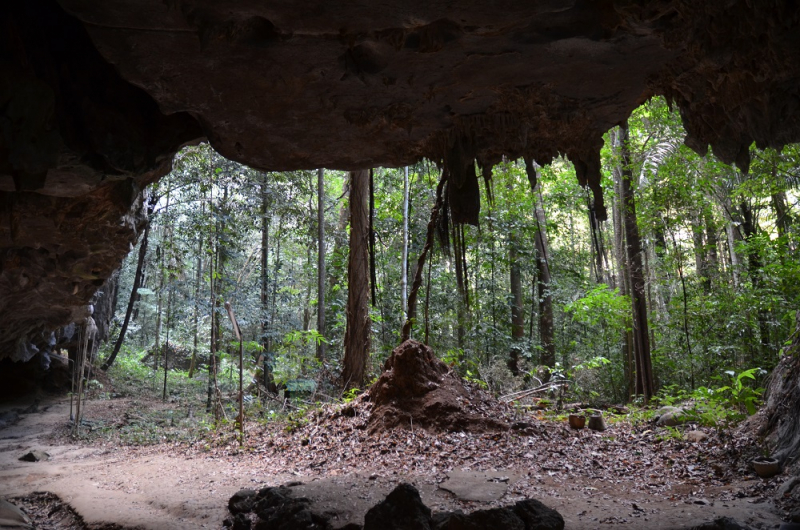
<point x="97" y="96"/>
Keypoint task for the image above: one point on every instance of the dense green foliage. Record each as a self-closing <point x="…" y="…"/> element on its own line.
<point x="720" y="253"/>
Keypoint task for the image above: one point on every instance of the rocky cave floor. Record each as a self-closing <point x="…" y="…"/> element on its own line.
<point x="637" y="476"/>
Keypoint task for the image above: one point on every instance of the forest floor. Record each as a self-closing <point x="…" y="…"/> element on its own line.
<point x="143" y="463"/>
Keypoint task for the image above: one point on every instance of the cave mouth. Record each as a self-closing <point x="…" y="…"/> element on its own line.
<point x="97" y="98"/>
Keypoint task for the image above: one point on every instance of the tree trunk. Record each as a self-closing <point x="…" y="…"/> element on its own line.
<point x="623" y="277"/>
<point x="277" y="265"/>
<point x="137" y="278"/>
<point x="357" y="333"/>
<point x="517" y="314"/>
<point x="781" y="209"/>
<point x="412" y="296"/>
<point x="166" y="343"/>
<point x="196" y="311"/>
<point x="217" y="270"/>
<point x="641" y="337"/>
<point x="546" y="331"/>
<point x="212" y="345"/>
<point x="404" y="264"/>
<point x="731" y="232"/>
<point x="321" y="262"/>
<point x="463" y="300"/>
<point x="712" y="260"/>
<point x="373" y="279"/>
<point x="700" y="260"/>
<point x="597" y="246"/>
<point x="750" y="228"/>
<point x="159" y="302"/>
<point x="339" y="236"/>
<point x="266" y="343"/>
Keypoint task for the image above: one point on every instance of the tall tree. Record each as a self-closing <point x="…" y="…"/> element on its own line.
<point x="546" y="320"/>
<point x="641" y="338"/>
<point x="438" y="206"/>
<point x="357" y="334"/>
<point x="623" y="278"/>
<point x="198" y="277"/>
<point x="598" y="250"/>
<point x="517" y="313"/>
<point x="269" y="381"/>
<point x="321" y="262"/>
<point x="404" y="258"/>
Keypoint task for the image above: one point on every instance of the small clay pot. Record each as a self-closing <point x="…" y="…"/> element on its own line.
<point x="766" y="467"/>
<point x="577" y="421"/>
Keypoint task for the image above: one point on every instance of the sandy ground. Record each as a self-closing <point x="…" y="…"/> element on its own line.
<point x="156" y="489"/>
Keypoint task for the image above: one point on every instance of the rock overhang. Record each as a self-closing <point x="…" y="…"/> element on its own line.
<point x="97" y="96"/>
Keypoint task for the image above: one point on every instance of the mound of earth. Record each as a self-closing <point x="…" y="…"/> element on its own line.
<point x="418" y="390"/>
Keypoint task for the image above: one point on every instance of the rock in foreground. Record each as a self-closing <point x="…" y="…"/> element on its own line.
<point x="402" y="509"/>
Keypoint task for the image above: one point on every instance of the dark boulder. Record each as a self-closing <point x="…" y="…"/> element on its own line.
<point x="480" y="520"/>
<point x="278" y="510"/>
<point x="401" y="510"/>
<point x="242" y="501"/>
<point x="537" y="516"/>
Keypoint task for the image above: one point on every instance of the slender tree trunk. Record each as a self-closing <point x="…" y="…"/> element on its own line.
<point x="137" y="278"/>
<point x="216" y="296"/>
<point x="750" y="228"/>
<point x="162" y="261"/>
<point x="427" y="305"/>
<point x="754" y="264"/>
<point x="461" y="313"/>
<point x="712" y="260"/>
<point x="597" y="248"/>
<point x="404" y="264"/>
<point x="781" y="209"/>
<point x="159" y="303"/>
<point x="266" y="343"/>
<point x="622" y="275"/>
<point x="700" y="260"/>
<point x="196" y="310"/>
<point x="641" y="336"/>
<point x="546" y="331"/>
<point x="373" y="280"/>
<point x="340" y="236"/>
<point x="278" y="264"/>
<point x="415" y="285"/>
<point x="321" y="262"/>
<point x="517" y="313"/>
<point x="689" y="351"/>
<point x="357" y="333"/>
<point x="166" y="344"/>
<point x="212" y="345"/>
<point x="730" y="230"/>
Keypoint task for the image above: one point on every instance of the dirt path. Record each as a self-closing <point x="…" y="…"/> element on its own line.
<point x="161" y="488"/>
<point x="150" y="490"/>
